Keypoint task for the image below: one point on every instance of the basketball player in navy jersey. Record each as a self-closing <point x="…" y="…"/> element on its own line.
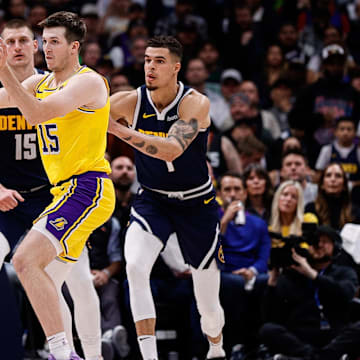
<point x="25" y="193"/>
<point x="168" y="126"/>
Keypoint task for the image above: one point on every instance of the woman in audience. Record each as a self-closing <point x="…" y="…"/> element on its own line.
<point x="259" y="191"/>
<point x="287" y="211"/>
<point x="332" y="205"/>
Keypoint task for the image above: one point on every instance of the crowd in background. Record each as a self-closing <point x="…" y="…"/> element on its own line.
<point x="283" y="79"/>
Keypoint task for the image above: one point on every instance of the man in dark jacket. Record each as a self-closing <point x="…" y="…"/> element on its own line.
<point x="307" y="305"/>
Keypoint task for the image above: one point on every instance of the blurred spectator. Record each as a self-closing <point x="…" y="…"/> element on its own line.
<point x="332" y="205"/>
<point x="332" y="35"/>
<point x="91" y="54"/>
<point x="307" y="304"/>
<point x="105" y="66"/>
<point x="37" y="13"/>
<point x="90" y="15"/>
<point x="265" y="18"/>
<point x="106" y="262"/>
<point x="293" y="50"/>
<point x="353" y="37"/>
<point x="251" y="150"/>
<point x="245" y="249"/>
<point x="274" y="67"/>
<point x="116" y="19"/>
<point x="135" y="69"/>
<point x="323" y="102"/>
<point x="196" y="75"/>
<point x="287" y="210"/>
<point x="269" y="122"/>
<point x="244" y="114"/>
<point x="119" y="82"/>
<point x="259" y="191"/>
<point x="343" y="151"/>
<point x="354" y="75"/>
<point x="281" y="95"/>
<point x="123" y="176"/>
<point x="183" y="13"/>
<point x="243" y="43"/>
<point x="120" y="52"/>
<point x="209" y="54"/>
<point x="16" y="9"/>
<point x="189" y="38"/>
<point x="230" y="83"/>
<point x="222" y="155"/>
<point x="294" y="167"/>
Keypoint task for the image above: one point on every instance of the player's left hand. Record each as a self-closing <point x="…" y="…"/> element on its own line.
<point x="302" y="266"/>
<point x="3" y="54"/>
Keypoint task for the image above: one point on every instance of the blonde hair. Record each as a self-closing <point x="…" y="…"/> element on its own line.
<point x="275" y="219"/>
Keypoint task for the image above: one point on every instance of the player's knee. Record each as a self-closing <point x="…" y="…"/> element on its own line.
<point x="21" y="263"/>
<point x="213" y="322"/>
<point x="136" y="272"/>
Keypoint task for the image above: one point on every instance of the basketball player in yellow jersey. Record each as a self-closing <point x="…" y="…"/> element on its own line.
<point x="70" y="107"/>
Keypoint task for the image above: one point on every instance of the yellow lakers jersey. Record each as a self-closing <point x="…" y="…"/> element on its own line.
<point x="75" y="143"/>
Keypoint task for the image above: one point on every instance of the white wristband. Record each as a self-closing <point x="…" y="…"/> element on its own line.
<point x="107" y="272"/>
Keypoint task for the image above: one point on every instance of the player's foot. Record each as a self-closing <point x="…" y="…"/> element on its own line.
<point x="119" y="341"/>
<point x="217" y="358"/>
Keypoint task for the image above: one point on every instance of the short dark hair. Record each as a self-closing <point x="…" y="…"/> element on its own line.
<point x="168" y="42"/>
<point x="344" y="119"/>
<point x="294" y="151"/>
<point x="75" y="28"/>
<point x="233" y="174"/>
<point x="17" y="24"/>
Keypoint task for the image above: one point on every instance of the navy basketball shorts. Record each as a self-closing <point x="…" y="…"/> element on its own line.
<point x="194" y="221"/>
<point x="14" y="223"/>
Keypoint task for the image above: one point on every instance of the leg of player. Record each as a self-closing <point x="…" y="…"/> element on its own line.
<point x="206" y="290"/>
<point x="4" y="249"/>
<point x="58" y="271"/>
<point x="86" y="307"/>
<point x="141" y="252"/>
<point x="32" y="256"/>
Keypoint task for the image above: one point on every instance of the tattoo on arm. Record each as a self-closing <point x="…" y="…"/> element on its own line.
<point x="184" y="132"/>
<point x="151" y="149"/>
<point x="139" y="144"/>
<point x="127" y="138"/>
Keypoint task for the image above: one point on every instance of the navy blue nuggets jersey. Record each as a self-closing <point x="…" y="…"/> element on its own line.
<point x="350" y="164"/>
<point x="20" y="166"/>
<point x="189" y="171"/>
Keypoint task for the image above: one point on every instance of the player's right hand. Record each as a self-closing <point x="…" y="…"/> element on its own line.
<point x="9" y="199"/>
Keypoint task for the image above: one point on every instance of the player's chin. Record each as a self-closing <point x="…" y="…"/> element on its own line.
<point x="151" y="87"/>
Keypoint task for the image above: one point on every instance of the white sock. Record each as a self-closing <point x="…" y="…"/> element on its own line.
<point x="94" y="358"/>
<point x="216" y="350"/>
<point x="59" y="346"/>
<point x="147" y="344"/>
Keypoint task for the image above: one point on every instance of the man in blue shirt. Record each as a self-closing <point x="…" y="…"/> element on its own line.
<point x="243" y="257"/>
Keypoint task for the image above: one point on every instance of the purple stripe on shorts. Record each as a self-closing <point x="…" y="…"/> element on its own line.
<point x="59" y="222"/>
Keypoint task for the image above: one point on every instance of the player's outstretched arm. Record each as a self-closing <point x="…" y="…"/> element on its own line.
<point x="194" y="115"/>
<point x="87" y="90"/>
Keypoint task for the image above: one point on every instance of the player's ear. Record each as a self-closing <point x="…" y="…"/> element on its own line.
<point x="75" y="45"/>
<point x="36" y="45"/>
<point x="177" y="67"/>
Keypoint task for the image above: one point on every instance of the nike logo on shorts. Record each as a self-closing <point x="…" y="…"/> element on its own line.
<point x="208" y="200"/>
